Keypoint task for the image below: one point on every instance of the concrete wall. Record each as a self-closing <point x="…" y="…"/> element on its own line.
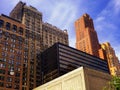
<point x="95" y="80"/>
<point x="79" y="79"/>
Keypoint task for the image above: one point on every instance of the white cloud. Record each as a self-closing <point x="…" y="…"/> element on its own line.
<point x="117" y="6"/>
<point x="63" y="14"/>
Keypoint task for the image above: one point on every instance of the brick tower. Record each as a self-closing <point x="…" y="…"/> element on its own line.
<point x="86" y="36"/>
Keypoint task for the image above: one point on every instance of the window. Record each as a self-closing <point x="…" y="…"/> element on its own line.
<point x="12" y="45"/>
<point x="4" y="54"/>
<point x="17" y="74"/>
<point x="8" y="85"/>
<point x="1" y="23"/>
<point x="1" y="84"/>
<point x="8" y="26"/>
<point x="17" y="68"/>
<point x="16" y="87"/>
<point x="0" y="33"/>
<point x="18" y="63"/>
<point x="2" y="59"/>
<point x="9" y="79"/>
<point x="21" y="31"/>
<point x="17" y="80"/>
<point x="11" y="62"/>
<point x="2" y="71"/>
<point x="2" y="78"/>
<point x="2" y="65"/>
<point x="12" y="56"/>
<point x="14" y="28"/>
<point x="12" y="50"/>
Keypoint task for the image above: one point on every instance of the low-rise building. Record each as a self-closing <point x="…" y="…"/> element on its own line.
<point x="79" y="79"/>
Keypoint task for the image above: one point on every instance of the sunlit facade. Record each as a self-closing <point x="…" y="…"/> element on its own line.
<point x="112" y="59"/>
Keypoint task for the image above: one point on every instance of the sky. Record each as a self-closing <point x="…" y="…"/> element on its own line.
<point x="63" y="14"/>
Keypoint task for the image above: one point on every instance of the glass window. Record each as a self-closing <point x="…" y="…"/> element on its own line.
<point x="21" y="30"/>
<point x="2" y="78"/>
<point x="8" y="26"/>
<point x="2" y="71"/>
<point x="17" y="74"/>
<point x="18" y="63"/>
<point x="1" y="84"/>
<point x="2" y="59"/>
<point x="17" y="80"/>
<point x="1" y="23"/>
<point x="8" y="85"/>
<point x="1" y="33"/>
<point x="2" y="65"/>
<point x="16" y="87"/>
<point x="4" y="54"/>
<point x="9" y="79"/>
<point x="12" y="56"/>
<point x="14" y="28"/>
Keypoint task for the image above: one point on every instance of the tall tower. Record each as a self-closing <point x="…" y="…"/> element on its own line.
<point x="112" y="60"/>
<point x="86" y="36"/>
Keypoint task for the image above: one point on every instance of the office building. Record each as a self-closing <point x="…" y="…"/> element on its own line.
<point x="12" y="35"/>
<point x="86" y="36"/>
<point x="61" y="59"/>
<point x="112" y="59"/>
<point x="38" y="37"/>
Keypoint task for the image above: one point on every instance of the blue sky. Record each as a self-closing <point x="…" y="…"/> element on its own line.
<point x="63" y="13"/>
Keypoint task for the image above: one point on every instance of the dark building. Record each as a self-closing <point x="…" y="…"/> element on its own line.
<point x="12" y="35"/>
<point x="60" y="59"/>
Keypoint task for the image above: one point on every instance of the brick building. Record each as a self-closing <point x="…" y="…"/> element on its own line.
<point x="12" y="35"/>
<point x="38" y="37"/>
<point x="86" y="36"/>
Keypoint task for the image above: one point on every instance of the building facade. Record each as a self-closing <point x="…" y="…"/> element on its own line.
<point x="112" y="59"/>
<point x="61" y="59"/>
<point x="38" y="37"/>
<point x="86" y="36"/>
<point x="52" y="34"/>
<point x="12" y="35"/>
